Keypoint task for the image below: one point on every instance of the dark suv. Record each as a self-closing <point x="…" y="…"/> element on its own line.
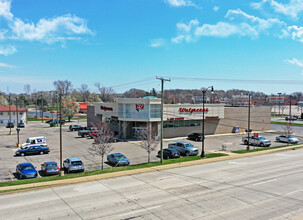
<point x="196" y="136"/>
<point x="76" y="128"/>
<point x="9" y="125"/>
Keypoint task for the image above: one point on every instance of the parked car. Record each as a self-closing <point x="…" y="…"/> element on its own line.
<point x="55" y="121"/>
<point x="21" y="125"/>
<point x="85" y="132"/>
<point x="34" y="141"/>
<point x="291" y="118"/>
<point x="287" y="139"/>
<point x="49" y="121"/>
<point x="117" y="159"/>
<point x="26" y="170"/>
<point x="49" y="168"/>
<point x="73" y="165"/>
<point x="258" y="141"/>
<point x="169" y="153"/>
<point x="10" y="125"/>
<point x="76" y="127"/>
<point x="184" y="148"/>
<point x="196" y="137"/>
<point x="94" y="133"/>
<point x="32" y="150"/>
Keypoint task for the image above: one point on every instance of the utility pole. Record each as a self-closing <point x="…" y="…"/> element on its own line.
<point x="162" y="102"/>
<point x="279" y="93"/>
<point x="18" y="129"/>
<point x="248" y="131"/>
<point x="10" y="114"/>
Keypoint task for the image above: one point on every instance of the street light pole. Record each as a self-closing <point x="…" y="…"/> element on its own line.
<point x="36" y="106"/>
<point x="203" y="118"/>
<point x="290" y="107"/>
<point x="279" y="93"/>
<point x="61" y="167"/>
<point x="10" y="114"/>
<point x="248" y="123"/>
<point x="42" y="105"/>
<point x="18" y="129"/>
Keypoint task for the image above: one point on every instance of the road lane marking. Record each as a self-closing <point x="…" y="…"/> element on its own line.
<point x="263" y="182"/>
<point x="11" y="175"/>
<point x="141" y="210"/>
<point x="293" y="192"/>
<point x="240" y="163"/>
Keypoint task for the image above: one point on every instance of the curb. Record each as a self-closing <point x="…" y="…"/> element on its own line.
<point x="143" y="170"/>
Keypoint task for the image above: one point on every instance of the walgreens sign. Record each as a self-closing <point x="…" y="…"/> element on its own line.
<point x="191" y="110"/>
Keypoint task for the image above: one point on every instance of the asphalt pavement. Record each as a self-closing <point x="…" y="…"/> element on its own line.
<point x="260" y="187"/>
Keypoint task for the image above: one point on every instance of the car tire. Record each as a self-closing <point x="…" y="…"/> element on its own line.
<point x="197" y="139"/>
<point x="261" y="145"/>
<point x="187" y="153"/>
<point x="167" y="157"/>
<point x="278" y="140"/>
<point x="246" y="142"/>
<point x="41" y="152"/>
<point x="22" y="154"/>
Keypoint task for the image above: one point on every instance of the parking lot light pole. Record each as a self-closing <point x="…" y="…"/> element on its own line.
<point x="18" y="129"/>
<point x="248" y="123"/>
<point x="10" y="115"/>
<point x="61" y="173"/>
<point x="42" y="105"/>
<point x="279" y="93"/>
<point x="203" y="117"/>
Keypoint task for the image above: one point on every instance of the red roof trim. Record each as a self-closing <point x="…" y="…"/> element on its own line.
<point x="5" y="108"/>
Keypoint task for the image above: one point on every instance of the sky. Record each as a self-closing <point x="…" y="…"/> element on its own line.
<point x="123" y="44"/>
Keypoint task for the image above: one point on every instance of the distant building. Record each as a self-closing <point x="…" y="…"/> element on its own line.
<point x="5" y="113"/>
<point x="83" y="107"/>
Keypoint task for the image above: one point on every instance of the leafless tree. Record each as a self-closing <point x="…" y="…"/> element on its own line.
<point x="102" y="144"/>
<point x="106" y="93"/>
<point x="63" y="87"/>
<point x="84" y="92"/>
<point x="27" y="89"/>
<point x="288" y="129"/>
<point x="149" y="141"/>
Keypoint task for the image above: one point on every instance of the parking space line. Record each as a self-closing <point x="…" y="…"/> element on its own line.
<point x="38" y="174"/>
<point x="11" y="175"/>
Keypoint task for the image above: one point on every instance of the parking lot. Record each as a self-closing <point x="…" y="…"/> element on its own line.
<point x="74" y="146"/>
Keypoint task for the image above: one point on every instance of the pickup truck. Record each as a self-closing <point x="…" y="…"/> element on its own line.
<point x="84" y="133"/>
<point x="184" y="148"/>
<point x="258" y="141"/>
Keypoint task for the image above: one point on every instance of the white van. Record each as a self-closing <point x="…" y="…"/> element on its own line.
<point x="34" y="141"/>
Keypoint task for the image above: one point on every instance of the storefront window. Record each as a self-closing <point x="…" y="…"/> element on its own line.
<point x="181" y="123"/>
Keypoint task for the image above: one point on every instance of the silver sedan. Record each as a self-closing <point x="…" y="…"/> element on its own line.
<point x="287" y="139"/>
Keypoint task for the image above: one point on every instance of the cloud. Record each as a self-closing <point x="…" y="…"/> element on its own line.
<point x="24" y="79"/>
<point x="5" y="9"/>
<point x="157" y="43"/>
<point x="47" y="30"/>
<point x="7" y="65"/>
<point x="50" y="30"/>
<point x="216" y="8"/>
<point x="295" y="61"/>
<point x="180" y="3"/>
<point x="7" y="50"/>
<point x="292" y="9"/>
<point x="240" y="23"/>
<point x="295" y="32"/>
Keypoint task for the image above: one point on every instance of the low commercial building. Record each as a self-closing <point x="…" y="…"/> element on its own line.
<point x="8" y="114"/>
<point x="128" y="116"/>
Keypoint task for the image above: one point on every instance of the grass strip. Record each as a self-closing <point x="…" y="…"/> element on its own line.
<point x="109" y="170"/>
<point x="261" y="149"/>
<point x="285" y="123"/>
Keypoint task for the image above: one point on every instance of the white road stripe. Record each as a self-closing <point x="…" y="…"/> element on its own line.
<point x="140" y="210"/>
<point x="263" y="182"/>
<point x="293" y="192"/>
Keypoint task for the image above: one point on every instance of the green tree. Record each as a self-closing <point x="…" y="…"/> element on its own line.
<point x="69" y="107"/>
<point x="93" y="97"/>
<point x="3" y="100"/>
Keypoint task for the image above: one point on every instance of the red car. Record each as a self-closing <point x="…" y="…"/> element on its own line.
<point x="93" y="134"/>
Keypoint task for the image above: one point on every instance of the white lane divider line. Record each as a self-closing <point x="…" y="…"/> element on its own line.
<point x="293" y="192"/>
<point x="263" y="182"/>
<point x="140" y="210"/>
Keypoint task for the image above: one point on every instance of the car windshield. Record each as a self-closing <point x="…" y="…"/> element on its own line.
<point x="262" y="138"/>
<point x="188" y="145"/>
<point x="28" y="141"/>
<point x="27" y="167"/>
<point x="76" y="163"/>
<point x="51" y="165"/>
<point x="119" y="156"/>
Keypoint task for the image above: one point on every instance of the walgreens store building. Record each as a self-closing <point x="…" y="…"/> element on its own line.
<point x="129" y="115"/>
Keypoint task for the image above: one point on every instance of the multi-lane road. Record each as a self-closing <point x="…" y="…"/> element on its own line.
<point x="262" y="187"/>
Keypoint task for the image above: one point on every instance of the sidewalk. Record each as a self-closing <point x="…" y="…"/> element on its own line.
<point x="144" y="170"/>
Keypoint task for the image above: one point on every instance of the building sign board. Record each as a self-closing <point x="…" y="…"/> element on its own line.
<point x="139" y="107"/>
<point x="104" y="108"/>
<point x="191" y="110"/>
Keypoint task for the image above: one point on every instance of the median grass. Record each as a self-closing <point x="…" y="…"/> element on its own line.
<point x="286" y="123"/>
<point x="109" y="170"/>
<point x="261" y="149"/>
